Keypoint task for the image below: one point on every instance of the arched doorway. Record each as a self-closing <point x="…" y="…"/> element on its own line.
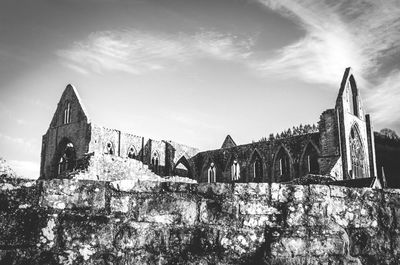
<point x="65" y="157"/>
<point x="182" y="168"/>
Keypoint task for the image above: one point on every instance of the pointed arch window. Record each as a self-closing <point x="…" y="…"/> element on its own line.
<point x="67" y="160"/>
<point x="310" y="160"/>
<point x="67" y="113"/>
<point x="357" y="154"/>
<point x="282" y="166"/>
<point x="257" y="167"/>
<point x="109" y="150"/>
<point x="155" y="161"/>
<point x="132" y="152"/>
<point x="353" y="97"/>
<point x="212" y="176"/>
<point x="235" y="170"/>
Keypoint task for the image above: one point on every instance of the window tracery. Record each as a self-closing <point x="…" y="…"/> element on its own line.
<point x="357" y="154"/>
<point x="235" y="170"/>
<point x="282" y="166"/>
<point x="109" y="150"/>
<point x="212" y="173"/>
<point x="131" y="152"/>
<point x="67" y="113"/>
<point x="67" y="159"/>
<point x="155" y="161"/>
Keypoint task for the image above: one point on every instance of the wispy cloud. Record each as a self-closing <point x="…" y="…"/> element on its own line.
<point x="362" y="34"/>
<point x="383" y="100"/>
<point x="135" y="51"/>
<point x="338" y="34"/>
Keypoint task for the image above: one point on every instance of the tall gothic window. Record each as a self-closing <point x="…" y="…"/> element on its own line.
<point x="257" y="167"/>
<point x="155" y="161"/>
<point x="67" y="113"/>
<point x="131" y="152"/>
<point x="235" y="171"/>
<point x="282" y="166"/>
<point x="212" y="177"/>
<point x="353" y="96"/>
<point x="310" y="161"/>
<point x="67" y="159"/>
<point x="357" y="154"/>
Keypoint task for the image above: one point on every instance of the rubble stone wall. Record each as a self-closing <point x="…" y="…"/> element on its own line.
<point x="130" y="222"/>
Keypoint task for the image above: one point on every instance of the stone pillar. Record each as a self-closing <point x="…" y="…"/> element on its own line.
<point x="371" y="146"/>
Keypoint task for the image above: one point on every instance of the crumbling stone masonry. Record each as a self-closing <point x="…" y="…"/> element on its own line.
<point x="134" y="222"/>
<point x="72" y="135"/>
<point x="342" y="147"/>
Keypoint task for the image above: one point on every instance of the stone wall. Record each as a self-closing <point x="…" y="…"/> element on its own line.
<point x="128" y="222"/>
<point x="294" y="147"/>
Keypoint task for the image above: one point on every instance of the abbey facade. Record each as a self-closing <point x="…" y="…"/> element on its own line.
<point x="341" y="147"/>
<point x="72" y="137"/>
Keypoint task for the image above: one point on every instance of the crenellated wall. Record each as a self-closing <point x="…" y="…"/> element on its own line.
<point x="128" y="222"/>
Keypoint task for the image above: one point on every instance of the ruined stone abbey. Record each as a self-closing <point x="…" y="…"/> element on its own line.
<point x="341" y="147"/>
<point x="246" y="209"/>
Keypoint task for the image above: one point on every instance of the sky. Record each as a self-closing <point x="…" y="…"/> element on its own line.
<point x="192" y="71"/>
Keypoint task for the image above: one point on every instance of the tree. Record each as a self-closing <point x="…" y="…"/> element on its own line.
<point x="389" y="133"/>
<point x="271" y="137"/>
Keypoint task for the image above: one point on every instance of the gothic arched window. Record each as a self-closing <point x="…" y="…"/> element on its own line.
<point x="155" y="161"/>
<point x="131" y="152"/>
<point x="235" y="170"/>
<point x="282" y="166"/>
<point x="67" y="113"/>
<point x="67" y="159"/>
<point x="257" y="167"/>
<point x="353" y="96"/>
<point x="357" y="154"/>
<point x="109" y="150"/>
<point x="310" y="160"/>
<point x="212" y="177"/>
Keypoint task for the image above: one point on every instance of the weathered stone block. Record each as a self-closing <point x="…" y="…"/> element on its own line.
<point x="296" y="215"/>
<point x="251" y="190"/>
<point x="167" y="209"/>
<point x="14" y="195"/>
<point x="73" y="194"/>
<point x="319" y="192"/>
<point x="179" y="187"/>
<point x="257" y="207"/>
<point x="255" y="221"/>
<point x="337" y="191"/>
<point x="280" y="193"/>
<point x="84" y="236"/>
<point x="21" y="228"/>
<point x="239" y="242"/>
<point x="288" y="247"/>
<point x="137" y="186"/>
<point x="217" y="212"/>
<point x="212" y="189"/>
<point x="119" y="203"/>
